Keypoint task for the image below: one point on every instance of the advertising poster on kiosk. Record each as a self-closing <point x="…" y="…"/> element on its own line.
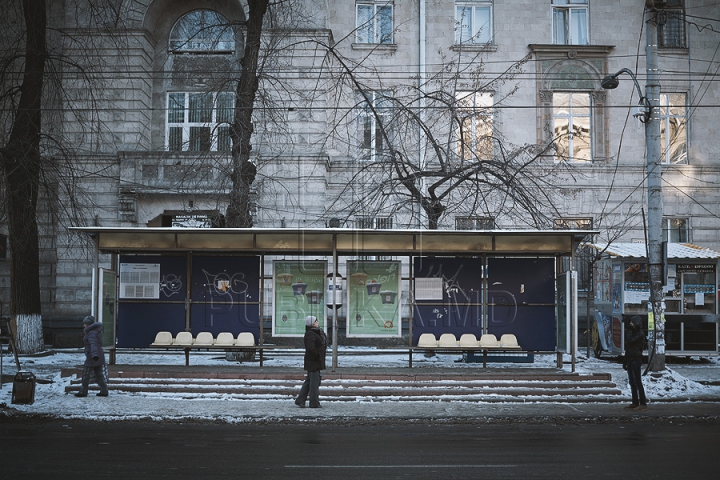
<point x="299" y="288"/>
<point x="373" y="299"/>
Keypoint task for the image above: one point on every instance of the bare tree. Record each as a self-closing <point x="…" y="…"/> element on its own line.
<point x="436" y="146"/>
<point x="21" y="162"/>
<point x="39" y="161"/>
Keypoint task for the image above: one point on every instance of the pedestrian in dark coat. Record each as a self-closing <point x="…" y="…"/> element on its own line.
<point x="314" y="361"/>
<point x="94" y="358"/>
<point x="634" y="344"/>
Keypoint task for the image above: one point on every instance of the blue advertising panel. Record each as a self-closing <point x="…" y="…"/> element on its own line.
<point x="138" y="323"/>
<point x="521" y="300"/>
<point x="448" y="296"/>
<point x="226" y="293"/>
<point x="151" y="298"/>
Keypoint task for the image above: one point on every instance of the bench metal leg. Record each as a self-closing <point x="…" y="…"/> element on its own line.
<point x="261" y="356"/>
<point x="485" y="358"/>
<point x="187" y="357"/>
<point x="410" y="359"/>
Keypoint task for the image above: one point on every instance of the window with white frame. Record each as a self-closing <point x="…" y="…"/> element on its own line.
<point x="570" y="22"/>
<point x="572" y="126"/>
<point x="199" y="121"/>
<point x="475" y="123"/>
<point x="671" y="24"/>
<point x="474" y="223"/>
<point x="473" y="22"/>
<point x="202" y="31"/>
<point x="374" y="22"/>
<point x="373" y="125"/>
<point x="673" y="131"/>
<point x="676" y="230"/>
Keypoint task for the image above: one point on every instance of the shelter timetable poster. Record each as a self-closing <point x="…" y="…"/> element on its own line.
<point x="299" y="288"/>
<point x="373" y="299"/>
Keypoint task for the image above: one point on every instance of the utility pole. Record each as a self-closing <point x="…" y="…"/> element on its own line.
<point x="648" y="113"/>
<point x="654" y="192"/>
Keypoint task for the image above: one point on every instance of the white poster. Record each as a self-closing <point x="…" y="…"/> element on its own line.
<point x="429" y="288"/>
<point x="139" y="280"/>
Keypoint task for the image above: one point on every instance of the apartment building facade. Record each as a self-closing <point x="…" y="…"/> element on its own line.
<point x="380" y="114"/>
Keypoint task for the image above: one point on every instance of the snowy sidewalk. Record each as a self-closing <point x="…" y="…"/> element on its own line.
<point x="677" y="392"/>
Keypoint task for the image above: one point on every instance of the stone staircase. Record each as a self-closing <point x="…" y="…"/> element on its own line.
<point x="551" y="386"/>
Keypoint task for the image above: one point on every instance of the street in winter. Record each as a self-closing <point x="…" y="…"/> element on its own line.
<point x="443" y="417"/>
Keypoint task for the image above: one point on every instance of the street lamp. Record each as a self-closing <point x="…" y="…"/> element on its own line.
<point x="642" y="111"/>
<point x="646" y="113"/>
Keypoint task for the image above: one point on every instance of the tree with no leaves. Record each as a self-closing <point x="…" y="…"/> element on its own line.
<point x="21" y="160"/>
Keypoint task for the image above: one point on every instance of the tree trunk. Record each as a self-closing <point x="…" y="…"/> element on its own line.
<point x="21" y="169"/>
<point x="243" y="170"/>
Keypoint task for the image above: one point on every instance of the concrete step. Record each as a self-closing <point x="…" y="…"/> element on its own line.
<point x="550" y="387"/>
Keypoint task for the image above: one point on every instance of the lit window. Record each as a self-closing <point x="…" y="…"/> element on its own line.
<point x="373" y="125"/>
<point x="474" y="129"/>
<point x="202" y="31"/>
<point x="671" y="24"/>
<point x="374" y="22"/>
<point x="676" y="230"/>
<point x="572" y="223"/>
<point x="473" y="22"/>
<point x="199" y="122"/>
<point x="474" y="223"/>
<point x="572" y="126"/>
<point x="673" y="132"/>
<point x="570" y="22"/>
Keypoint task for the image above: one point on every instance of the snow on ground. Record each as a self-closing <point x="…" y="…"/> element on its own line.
<point x="677" y="382"/>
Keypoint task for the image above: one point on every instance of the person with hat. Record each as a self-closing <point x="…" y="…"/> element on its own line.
<point x="314" y="361"/>
<point x="94" y="357"/>
<point x="634" y="344"/>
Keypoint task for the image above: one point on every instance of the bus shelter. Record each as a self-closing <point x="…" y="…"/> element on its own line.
<point x="379" y="284"/>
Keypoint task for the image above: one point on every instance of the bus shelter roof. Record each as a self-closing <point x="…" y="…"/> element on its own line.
<point x="342" y="241"/>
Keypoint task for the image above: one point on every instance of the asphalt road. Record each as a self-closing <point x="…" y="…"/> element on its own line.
<point x="81" y="449"/>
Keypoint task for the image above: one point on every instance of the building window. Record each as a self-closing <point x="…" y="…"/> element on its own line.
<point x="671" y="24"/>
<point x="202" y="31"/>
<point x="582" y="265"/>
<point x="474" y="223"/>
<point x="474" y="130"/>
<point x="581" y="223"/>
<point x="374" y="22"/>
<point x="374" y="223"/>
<point x="373" y="125"/>
<point x="676" y="230"/>
<point x="673" y="132"/>
<point x="199" y="122"/>
<point x="570" y="22"/>
<point x="572" y="127"/>
<point x="473" y="22"/>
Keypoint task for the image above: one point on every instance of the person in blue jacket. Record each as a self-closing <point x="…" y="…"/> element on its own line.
<point x="314" y="361"/>
<point x="94" y="358"/>
<point x="634" y="344"/>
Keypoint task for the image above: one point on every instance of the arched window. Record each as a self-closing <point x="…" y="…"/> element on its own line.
<point x="202" y="31"/>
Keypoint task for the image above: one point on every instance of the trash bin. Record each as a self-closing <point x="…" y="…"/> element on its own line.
<point x="24" y="388"/>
